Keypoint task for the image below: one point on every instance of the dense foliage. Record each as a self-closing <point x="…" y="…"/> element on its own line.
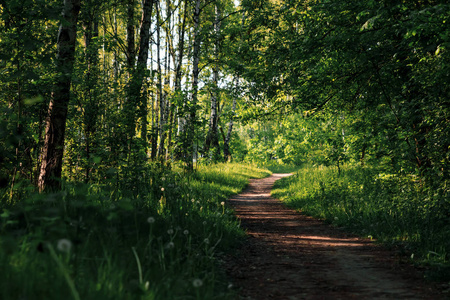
<point x="99" y="101"/>
<point x="361" y="87"/>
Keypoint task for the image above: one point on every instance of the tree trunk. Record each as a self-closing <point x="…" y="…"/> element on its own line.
<point x="226" y="143"/>
<point x="131" y="42"/>
<point x="52" y="153"/>
<point x="134" y="90"/>
<point x="161" y="101"/>
<point x="194" y="101"/>
<point x="91" y="108"/>
<point x="212" y="137"/>
<point x="178" y="75"/>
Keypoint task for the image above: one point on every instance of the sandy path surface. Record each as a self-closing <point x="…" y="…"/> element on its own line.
<point x="293" y="256"/>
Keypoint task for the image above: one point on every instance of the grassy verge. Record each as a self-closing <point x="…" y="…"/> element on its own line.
<point x="159" y="240"/>
<point x="276" y="167"/>
<point x="394" y="210"/>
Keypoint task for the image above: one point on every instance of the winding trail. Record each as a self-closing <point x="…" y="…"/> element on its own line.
<point x="292" y="256"/>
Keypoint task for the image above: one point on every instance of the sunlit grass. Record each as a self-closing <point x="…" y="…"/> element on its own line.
<point x="160" y="240"/>
<point x="277" y="167"/>
<point x="395" y="210"/>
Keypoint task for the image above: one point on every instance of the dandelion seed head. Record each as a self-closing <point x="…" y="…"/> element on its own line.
<point x="197" y="283"/>
<point x="206" y="241"/>
<point x="222" y="203"/>
<point x="150" y="220"/>
<point x="170" y="245"/>
<point x="64" y="245"/>
<point x="170" y="231"/>
<point x="162" y="189"/>
<point x="186" y="232"/>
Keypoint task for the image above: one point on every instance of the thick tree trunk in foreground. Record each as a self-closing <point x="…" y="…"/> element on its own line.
<point x="52" y="153"/>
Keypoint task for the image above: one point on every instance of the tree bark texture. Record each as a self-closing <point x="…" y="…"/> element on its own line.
<point x="195" y="73"/>
<point x="226" y="143"/>
<point x="212" y="137"/>
<point x="134" y="91"/>
<point x="52" y="153"/>
<point x="131" y="47"/>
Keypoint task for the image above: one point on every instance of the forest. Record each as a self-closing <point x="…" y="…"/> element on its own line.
<point x="125" y="126"/>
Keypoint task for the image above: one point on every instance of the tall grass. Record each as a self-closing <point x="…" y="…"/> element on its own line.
<point x="395" y="210"/>
<point x="159" y="240"/>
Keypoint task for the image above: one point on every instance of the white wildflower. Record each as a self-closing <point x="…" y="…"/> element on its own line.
<point x="64" y="245"/>
<point x="197" y="283"/>
<point x="222" y="203"/>
<point x="162" y="189"/>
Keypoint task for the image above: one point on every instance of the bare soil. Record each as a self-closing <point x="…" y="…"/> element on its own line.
<point x="292" y="256"/>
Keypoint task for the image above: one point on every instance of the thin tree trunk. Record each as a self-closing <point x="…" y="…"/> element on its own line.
<point x="212" y="138"/>
<point x="226" y="143"/>
<point x="160" y="85"/>
<point x="134" y="91"/>
<point x="131" y="40"/>
<point x="92" y="105"/>
<point x="195" y="72"/>
<point x="52" y="153"/>
<point x="178" y="76"/>
<point x="164" y="127"/>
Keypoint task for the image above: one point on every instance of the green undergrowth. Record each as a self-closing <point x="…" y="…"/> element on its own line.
<point x="276" y="167"/>
<point x="399" y="211"/>
<point x="158" y="240"/>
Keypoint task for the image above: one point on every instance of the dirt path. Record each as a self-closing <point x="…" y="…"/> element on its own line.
<point x="292" y="256"/>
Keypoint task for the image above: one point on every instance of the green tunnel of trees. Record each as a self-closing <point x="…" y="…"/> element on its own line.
<point x="94" y="90"/>
<point x="117" y="118"/>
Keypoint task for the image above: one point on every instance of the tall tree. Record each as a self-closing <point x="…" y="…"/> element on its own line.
<point x="212" y="137"/>
<point x="197" y="39"/>
<point x="135" y="98"/>
<point x="91" y="103"/>
<point x="52" y="154"/>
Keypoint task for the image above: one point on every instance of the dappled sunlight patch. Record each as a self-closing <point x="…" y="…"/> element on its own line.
<point x="376" y="205"/>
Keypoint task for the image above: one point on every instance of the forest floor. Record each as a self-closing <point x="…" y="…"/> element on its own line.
<point x="289" y="255"/>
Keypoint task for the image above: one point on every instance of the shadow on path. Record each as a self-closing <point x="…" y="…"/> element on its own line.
<point x="293" y="256"/>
